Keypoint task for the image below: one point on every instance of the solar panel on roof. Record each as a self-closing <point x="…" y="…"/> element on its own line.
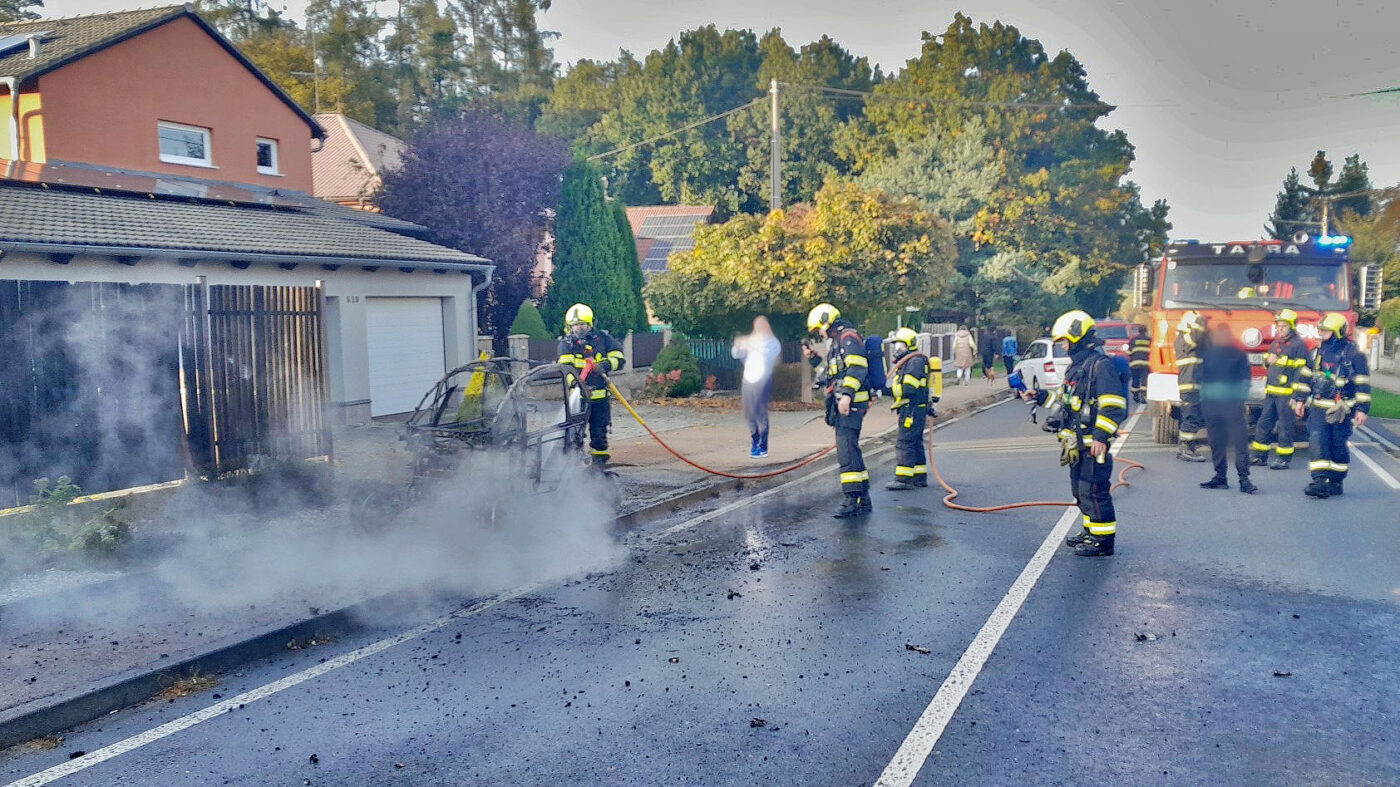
<point x="658" y="256"/>
<point x="669" y="226"/>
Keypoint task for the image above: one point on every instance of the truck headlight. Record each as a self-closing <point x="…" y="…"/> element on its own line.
<point x="1252" y="337"/>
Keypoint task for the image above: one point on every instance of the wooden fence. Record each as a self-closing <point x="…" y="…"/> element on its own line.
<point x="118" y="385"/>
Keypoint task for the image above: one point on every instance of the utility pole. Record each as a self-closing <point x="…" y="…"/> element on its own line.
<point x="775" y="174"/>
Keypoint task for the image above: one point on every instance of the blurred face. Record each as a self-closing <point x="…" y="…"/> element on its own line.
<point x="579" y="328"/>
<point x="900" y="348"/>
<point x="1064" y="344"/>
<point x="1221" y="334"/>
<point x="1283" y="326"/>
<point x="760" y="326"/>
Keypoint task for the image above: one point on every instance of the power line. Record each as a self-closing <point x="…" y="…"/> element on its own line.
<point x="675" y="131"/>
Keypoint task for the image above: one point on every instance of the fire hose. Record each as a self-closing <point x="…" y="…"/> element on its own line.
<point x="1128" y="464"/>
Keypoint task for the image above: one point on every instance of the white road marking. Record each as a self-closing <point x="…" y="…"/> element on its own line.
<point x="134" y="742"/>
<point x="918" y="745"/>
<point x="1376" y="436"/>
<point x="1385" y="477"/>
<point x="262" y="692"/>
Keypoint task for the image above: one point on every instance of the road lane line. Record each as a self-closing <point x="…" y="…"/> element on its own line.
<point x="218" y="709"/>
<point x="1387" y="478"/>
<point x="1376" y="436"/>
<point x="918" y="745"/>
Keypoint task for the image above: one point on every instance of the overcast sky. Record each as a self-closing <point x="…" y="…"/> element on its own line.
<point x="1220" y="97"/>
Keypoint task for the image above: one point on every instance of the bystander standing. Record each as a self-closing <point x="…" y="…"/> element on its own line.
<point x="759" y="351"/>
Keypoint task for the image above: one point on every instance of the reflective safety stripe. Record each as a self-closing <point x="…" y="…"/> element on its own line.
<point x="855" y="477"/>
<point x="912" y="381"/>
<point x="920" y="469"/>
<point x="1319" y="464"/>
<point x="1338" y="467"/>
<point x="1109" y="400"/>
<point x="1258" y="446"/>
<point x="600" y="453"/>
<point x="1188" y="361"/>
<point x="1278" y="390"/>
<point x="1284" y="451"/>
<point x="1107" y="424"/>
<point x="857" y="360"/>
<point x="1189" y="435"/>
<point x="850" y="382"/>
<point x="1323" y="403"/>
<point x="566" y="358"/>
<point x="1296" y="362"/>
<point x="1139" y="363"/>
<point x="1101" y="528"/>
<point x="1362" y="379"/>
<point x="601" y="393"/>
<point x="1362" y="396"/>
<point x="1302" y="387"/>
<point x="904" y="472"/>
<point x="861" y="396"/>
<point x="1188" y="387"/>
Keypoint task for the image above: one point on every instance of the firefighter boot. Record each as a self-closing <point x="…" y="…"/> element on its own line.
<point x="1190" y="453"/>
<point x="900" y="485"/>
<point x="1334" y="487"/>
<point x="1259" y="459"/>
<point x="1279" y="463"/>
<point x="1095" y="546"/>
<point x="1247" y="486"/>
<point x="853" y="505"/>
<point x="1218" y="482"/>
<point x="1075" y="539"/>
<point x="1319" y="488"/>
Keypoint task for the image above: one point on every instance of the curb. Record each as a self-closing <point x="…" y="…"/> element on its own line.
<point x="50" y="716"/>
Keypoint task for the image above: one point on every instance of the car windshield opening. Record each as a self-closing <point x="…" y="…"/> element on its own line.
<point x="1321" y="286"/>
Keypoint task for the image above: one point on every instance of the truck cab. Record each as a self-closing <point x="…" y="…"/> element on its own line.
<point x="1243" y="284"/>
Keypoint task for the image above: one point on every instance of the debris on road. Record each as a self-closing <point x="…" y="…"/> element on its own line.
<point x="314" y="759"/>
<point x="1145" y="637"/>
<point x="1282" y="674"/>
<point x="917" y="648"/>
<point x="674" y="660"/>
<point x="187" y="686"/>
<point x="73" y="755"/>
<point x="733" y="595"/>
<point x="757" y="722"/>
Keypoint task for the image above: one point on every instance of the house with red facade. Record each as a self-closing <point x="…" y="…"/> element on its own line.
<point x="141" y="151"/>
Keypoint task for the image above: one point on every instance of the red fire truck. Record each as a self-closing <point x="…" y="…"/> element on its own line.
<point x="1243" y="284"/>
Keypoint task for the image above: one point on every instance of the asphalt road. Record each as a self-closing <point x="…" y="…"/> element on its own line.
<point x="1232" y="639"/>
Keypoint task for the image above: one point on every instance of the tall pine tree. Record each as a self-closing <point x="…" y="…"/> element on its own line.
<point x="594" y="258"/>
<point x="1292" y="210"/>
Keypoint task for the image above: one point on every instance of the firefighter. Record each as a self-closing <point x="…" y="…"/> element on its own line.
<point x="847" y="398"/>
<point x="1333" y="392"/>
<point x="1190" y="335"/>
<point x="1085" y="413"/>
<point x="1287" y="356"/>
<point x="1139" y="360"/>
<point x="595" y="353"/>
<point x="916" y="382"/>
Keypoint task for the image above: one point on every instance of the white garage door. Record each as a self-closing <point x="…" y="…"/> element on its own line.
<point x="405" y="351"/>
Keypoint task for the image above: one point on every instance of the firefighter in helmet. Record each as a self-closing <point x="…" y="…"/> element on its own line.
<point x="1085" y="413"/>
<point x="595" y="353"/>
<point x="843" y="374"/>
<point x="1287" y="356"/>
<point x="1140" y="363"/>
<point x="1333" y="393"/>
<point x="916" y="382"/>
<point x="1190" y="336"/>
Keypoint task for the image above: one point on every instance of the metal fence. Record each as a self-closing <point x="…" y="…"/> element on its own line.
<point x="716" y="360"/>
<point x="119" y="385"/>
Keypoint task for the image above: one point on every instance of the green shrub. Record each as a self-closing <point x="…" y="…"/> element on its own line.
<point x="529" y="322"/>
<point x="675" y="357"/>
<point x="1390" y="317"/>
<point x="51" y="528"/>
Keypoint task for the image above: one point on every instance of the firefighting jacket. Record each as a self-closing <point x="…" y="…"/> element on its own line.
<point x="1188" y="366"/>
<point x="596" y="346"/>
<point x="1091" y="398"/>
<point x="1285" y="360"/>
<point x="1139" y="352"/>
<point x="916" y="380"/>
<point x="845" y="368"/>
<point x="1336" y="372"/>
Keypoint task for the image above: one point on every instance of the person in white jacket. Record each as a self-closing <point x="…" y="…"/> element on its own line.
<point x="760" y="351"/>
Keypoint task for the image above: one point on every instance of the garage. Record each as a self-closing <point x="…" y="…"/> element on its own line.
<point x="404" y="337"/>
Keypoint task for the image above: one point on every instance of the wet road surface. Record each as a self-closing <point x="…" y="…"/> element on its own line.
<point x="1232" y="639"/>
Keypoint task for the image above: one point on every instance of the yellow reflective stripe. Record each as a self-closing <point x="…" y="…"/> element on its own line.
<point x="1107" y="424"/>
<point x="913" y="382"/>
<point x="1101" y="528"/>
<point x="601" y="393"/>
<point x="1362" y="379"/>
<point x="1295" y="362"/>
<point x="1109" y="400"/>
<point x="855" y="477"/>
<point x="857" y="360"/>
<point x="1340" y="468"/>
<point x="920" y="469"/>
<point x="1319" y="464"/>
<point x="903" y="472"/>
<point x="1284" y="451"/>
<point x="1188" y="387"/>
<point x="1362" y="396"/>
<point x="1139" y="363"/>
<point x="1302" y="387"/>
<point x="850" y="382"/>
<point x="1323" y="403"/>
<point x="1278" y="390"/>
<point x="566" y="358"/>
<point x="1258" y="446"/>
<point x="1187" y="361"/>
<point x="862" y="396"/>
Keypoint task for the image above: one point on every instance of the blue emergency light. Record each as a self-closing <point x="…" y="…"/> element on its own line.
<point x="1333" y="240"/>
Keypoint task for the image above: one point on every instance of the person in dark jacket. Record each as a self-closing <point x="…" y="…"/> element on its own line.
<point x="843" y="375"/>
<point x="1224" y="376"/>
<point x="987" y="345"/>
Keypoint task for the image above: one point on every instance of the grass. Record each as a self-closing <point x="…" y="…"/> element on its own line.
<point x="1384" y="404"/>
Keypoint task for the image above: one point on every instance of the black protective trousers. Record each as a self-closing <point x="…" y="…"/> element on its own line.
<point x="855" y="479"/>
<point x="1139" y="382"/>
<point x="1225" y="425"/>
<point x="1193" y="423"/>
<point x="599" y="420"/>
<point x="1276" y="426"/>
<point x="911" y="461"/>
<point x="1091" y="480"/>
<point x="1330" y="458"/>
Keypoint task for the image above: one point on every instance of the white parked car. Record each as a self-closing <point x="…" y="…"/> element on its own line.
<point x="1043" y="364"/>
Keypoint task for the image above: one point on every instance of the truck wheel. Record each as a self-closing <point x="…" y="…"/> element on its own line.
<point x="1165" y="428"/>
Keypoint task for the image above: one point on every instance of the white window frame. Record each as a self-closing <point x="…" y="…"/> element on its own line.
<point x="276" y="168"/>
<point x="207" y="161"/>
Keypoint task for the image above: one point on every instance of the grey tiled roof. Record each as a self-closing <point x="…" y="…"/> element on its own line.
<point x="30" y="213"/>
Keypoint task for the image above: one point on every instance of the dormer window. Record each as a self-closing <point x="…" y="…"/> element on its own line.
<point x="181" y="144"/>
<point x="267" y="156"/>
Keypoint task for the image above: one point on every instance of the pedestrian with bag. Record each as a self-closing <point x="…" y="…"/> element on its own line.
<point x="964" y="354"/>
